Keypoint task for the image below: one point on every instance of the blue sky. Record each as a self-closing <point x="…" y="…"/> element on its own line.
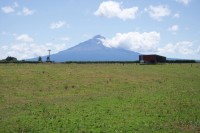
<point x="28" y="28"/>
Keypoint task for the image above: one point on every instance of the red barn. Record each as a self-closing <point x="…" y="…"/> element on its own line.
<point x="152" y="59"/>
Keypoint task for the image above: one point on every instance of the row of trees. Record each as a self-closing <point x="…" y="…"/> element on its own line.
<point x="40" y="59"/>
<point x="10" y="59"/>
<point x="14" y="59"/>
<point x="181" y="61"/>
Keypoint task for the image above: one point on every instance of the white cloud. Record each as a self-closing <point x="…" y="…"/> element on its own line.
<point x="8" y="9"/>
<point x="27" y="51"/>
<point x="184" y="2"/>
<point x="173" y="28"/>
<point x="26" y="12"/>
<point x="176" y="15"/>
<point x="135" y="41"/>
<point x="15" y="8"/>
<point x="112" y="9"/>
<point x="57" y="25"/>
<point x="184" y="48"/>
<point x="64" y="38"/>
<point x="4" y="33"/>
<point x="8" y="34"/>
<point x="157" y="12"/>
<point x="24" y="38"/>
<point x="198" y="50"/>
<point x="169" y="48"/>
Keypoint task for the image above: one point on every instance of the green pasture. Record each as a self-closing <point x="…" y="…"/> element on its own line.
<point x="52" y="98"/>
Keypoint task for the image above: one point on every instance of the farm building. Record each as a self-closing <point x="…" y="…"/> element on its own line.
<point x="152" y="59"/>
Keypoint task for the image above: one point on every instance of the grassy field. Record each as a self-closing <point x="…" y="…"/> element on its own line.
<point x="99" y="98"/>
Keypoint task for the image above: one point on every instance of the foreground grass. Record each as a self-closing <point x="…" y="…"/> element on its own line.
<point x="99" y="98"/>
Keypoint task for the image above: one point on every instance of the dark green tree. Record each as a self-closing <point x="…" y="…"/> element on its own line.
<point x="48" y="59"/>
<point x="40" y="59"/>
<point x="10" y="59"/>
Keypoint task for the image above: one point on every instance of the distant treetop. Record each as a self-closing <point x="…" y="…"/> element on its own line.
<point x="9" y="58"/>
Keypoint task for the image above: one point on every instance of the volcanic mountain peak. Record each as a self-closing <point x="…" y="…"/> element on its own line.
<point x="91" y="44"/>
<point x="93" y="50"/>
<point x="98" y="37"/>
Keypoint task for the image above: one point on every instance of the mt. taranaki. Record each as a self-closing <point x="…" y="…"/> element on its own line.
<point x="93" y="50"/>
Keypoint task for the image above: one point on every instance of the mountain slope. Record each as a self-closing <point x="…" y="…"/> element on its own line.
<point x="93" y="50"/>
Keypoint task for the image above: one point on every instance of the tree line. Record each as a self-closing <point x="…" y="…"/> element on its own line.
<point x="11" y="59"/>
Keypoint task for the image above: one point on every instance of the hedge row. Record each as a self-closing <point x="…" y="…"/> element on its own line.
<point x="99" y="62"/>
<point x="181" y="61"/>
<point x="33" y="62"/>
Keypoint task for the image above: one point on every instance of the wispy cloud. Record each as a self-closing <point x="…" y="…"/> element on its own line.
<point x="184" y="2"/>
<point x="173" y="28"/>
<point x="26" y="12"/>
<point x="112" y="9"/>
<point x="24" y="38"/>
<point x="176" y="15"/>
<point x="158" y="12"/>
<point x="15" y="8"/>
<point x="198" y="50"/>
<point x="8" y="34"/>
<point x="57" y="25"/>
<point x="8" y="9"/>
